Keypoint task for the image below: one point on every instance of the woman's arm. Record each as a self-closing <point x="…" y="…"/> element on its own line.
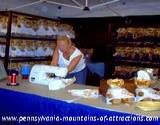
<point x="55" y="57"/>
<point x="74" y="63"/>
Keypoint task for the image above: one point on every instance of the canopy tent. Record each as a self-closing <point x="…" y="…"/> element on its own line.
<point x="83" y="8"/>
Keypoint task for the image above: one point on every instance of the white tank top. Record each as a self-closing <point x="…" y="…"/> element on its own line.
<point x="63" y="62"/>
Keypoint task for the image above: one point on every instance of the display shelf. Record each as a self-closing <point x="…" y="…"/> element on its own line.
<point x="2" y="43"/>
<point x="2" y="36"/>
<point x="29" y="59"/>
<point x="136" y="44"/>
<point x="23" y="27"/>
<point x="34" y="38"/>
<point x="139" y="64"/>
<point x="1" y="58"/>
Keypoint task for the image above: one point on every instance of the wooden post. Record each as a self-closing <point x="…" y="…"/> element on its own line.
<point x="8" y="37"/>
<point x="109" y="39"/>
<point x="159" y="73"/>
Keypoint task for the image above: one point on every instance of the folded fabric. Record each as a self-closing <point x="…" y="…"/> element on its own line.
<point x="58" y="83"/>
<point x="85" y="93"/>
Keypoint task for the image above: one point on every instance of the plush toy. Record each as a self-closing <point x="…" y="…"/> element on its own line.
<point x="116" y="93"/>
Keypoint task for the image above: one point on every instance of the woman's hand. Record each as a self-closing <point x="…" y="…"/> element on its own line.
<point x="50" y="75"/>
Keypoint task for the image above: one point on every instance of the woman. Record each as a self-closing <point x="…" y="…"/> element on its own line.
<point x="67" y="55"/>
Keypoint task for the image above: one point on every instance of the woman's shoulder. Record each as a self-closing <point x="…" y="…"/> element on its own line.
<point x="77" y="51"/>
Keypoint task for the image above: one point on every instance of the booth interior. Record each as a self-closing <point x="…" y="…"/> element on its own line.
<point x="122" y="56"/>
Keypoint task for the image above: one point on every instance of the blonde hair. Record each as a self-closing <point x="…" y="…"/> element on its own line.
<point x="64" y="38"/>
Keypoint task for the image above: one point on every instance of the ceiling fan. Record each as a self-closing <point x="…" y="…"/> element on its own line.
<point x="77" y="5"/>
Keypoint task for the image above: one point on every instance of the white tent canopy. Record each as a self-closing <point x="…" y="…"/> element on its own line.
<point x="83" y="8"/>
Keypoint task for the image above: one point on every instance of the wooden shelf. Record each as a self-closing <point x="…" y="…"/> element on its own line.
<point x="29" y="59"/>
<point x="3" y="43"/>
<point x="9" y="36"/>
<point x="136" y="44"/>
<point x="2" y="36"/>
<point x="139" y="64"/>
<point x="142" y="39"/>
<point x="33" y="38"/>
<point x="1" y="58"/>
